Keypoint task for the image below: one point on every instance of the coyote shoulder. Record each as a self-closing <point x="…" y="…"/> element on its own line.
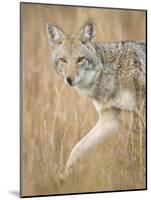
<point x="111" y="74"/>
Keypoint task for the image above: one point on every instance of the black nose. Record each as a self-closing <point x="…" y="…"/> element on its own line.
<point x="69" y="80"/>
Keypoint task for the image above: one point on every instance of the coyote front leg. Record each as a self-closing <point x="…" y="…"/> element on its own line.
<point x="107" y="124"/>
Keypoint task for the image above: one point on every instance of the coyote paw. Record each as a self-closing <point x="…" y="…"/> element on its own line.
<point x="63" y="176"/>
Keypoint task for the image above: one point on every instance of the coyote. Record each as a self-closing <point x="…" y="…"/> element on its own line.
<point x="111" y="74"/>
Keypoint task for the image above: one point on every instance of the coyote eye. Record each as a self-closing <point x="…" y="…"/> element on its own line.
<point x="80" y="59"/>
<point x="63" y="60"/>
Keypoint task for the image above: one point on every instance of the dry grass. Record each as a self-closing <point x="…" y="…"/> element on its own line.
<point x="56" y="117"/>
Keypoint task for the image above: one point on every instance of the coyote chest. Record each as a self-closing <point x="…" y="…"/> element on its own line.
<point x="125" y="100"/>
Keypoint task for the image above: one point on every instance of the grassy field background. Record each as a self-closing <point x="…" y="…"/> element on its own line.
<point x="55" y="117"/>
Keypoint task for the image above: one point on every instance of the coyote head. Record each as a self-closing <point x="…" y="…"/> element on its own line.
<point x="73" y="55"/>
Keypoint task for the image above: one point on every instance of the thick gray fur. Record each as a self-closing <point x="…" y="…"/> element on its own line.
<point x="111" y="74"/>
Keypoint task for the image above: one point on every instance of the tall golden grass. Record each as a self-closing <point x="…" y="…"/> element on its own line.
<point x="55" y="117"/>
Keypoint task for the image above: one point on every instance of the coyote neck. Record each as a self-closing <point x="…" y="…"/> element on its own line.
<point x="107" y="54"/>
<point x="103" y="87"/>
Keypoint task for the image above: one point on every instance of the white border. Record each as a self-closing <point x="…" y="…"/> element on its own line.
<point x="9" y="99"/>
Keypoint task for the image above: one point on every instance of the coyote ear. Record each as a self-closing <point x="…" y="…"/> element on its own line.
<point x="55" y="33"/>
<point x="87" y="32"/>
